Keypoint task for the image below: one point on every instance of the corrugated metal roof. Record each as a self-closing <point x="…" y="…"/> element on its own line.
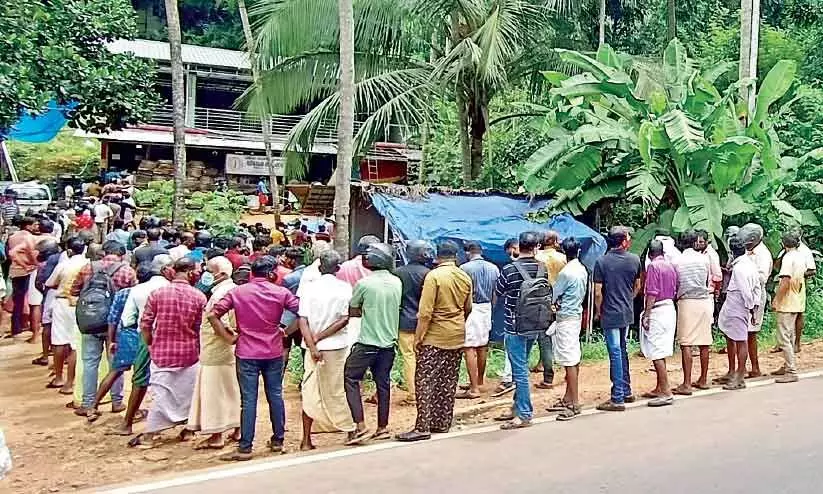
<point x="192" y="54"/>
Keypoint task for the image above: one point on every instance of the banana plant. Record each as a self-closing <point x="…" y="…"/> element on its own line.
<point x="663" y="134"/>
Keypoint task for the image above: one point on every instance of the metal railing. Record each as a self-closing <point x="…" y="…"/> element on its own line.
<point x="245" y="124"/>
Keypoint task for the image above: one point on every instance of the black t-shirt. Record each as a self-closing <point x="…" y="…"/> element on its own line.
<point x="147" y="253"/>
<point x="412" y="277"/>
<point x="617" y="271"/>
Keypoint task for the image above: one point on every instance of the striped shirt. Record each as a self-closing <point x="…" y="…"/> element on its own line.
<point x="508" y="286"/>
<point x="693" y="271"/>
<point x="8" y="210"/>
<point x="484" y="278"/>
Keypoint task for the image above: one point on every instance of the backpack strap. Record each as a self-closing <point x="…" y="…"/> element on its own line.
<point x="523" y="273"/>
<point x="541" y="270"/>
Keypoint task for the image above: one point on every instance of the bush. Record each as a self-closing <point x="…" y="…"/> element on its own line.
<point x="65" y="154"/>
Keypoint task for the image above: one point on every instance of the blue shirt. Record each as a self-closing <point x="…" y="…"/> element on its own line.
<point x="118" y="303"/>
<point x="569" y="290"/>
<point x="484" y="278"/>
<point x="290" y="282"/>
<point x="197" y="254"/>
<point x="120" y="235"/>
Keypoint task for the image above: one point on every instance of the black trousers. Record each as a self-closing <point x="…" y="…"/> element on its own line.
<point x="379" y="361"/>
<point x="19" y="289"/>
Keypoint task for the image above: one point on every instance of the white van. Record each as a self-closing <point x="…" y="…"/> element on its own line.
<point x="31" y="195"/>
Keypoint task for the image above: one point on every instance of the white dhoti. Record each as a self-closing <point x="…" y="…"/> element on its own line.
<point x="479" y="325"/>
<point x="35" y="296"/>
<point x="657" y="341"/>
<point x="566" y="341"/>
<point x="172" y="390"/>
<point x="215" y="405"/>
<point x="48" y="306"/>
<point x="64" y="330"/>
<point x="323" y="393"/>
<point x="760" y="313"/>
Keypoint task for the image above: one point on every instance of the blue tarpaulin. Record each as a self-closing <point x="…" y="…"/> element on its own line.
<point x="39" y="128"/>
<point x="488" y="219"/>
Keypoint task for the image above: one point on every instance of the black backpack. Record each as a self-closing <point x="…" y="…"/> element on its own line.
<point x="95" y="299"/>
<point x="534" y="306"/>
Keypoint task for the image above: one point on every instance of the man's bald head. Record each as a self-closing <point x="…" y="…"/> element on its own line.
<point x="220" y="265"/>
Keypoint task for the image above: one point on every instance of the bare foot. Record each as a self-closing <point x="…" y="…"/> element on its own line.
<point x="121" y="430"/>
<point x="754" y="374"/>
<point x="307" y="446"/>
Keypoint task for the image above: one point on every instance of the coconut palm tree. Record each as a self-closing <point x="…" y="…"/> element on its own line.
<point x="479" y="47"/>
<point x="345" y="128"/>
<point x="178" y="101"/>
<point x="265" y="118"/>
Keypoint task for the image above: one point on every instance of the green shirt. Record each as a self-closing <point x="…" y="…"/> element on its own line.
<point x="378" y="297"/>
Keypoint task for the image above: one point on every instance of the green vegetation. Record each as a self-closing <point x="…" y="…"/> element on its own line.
<point x="65" y="154"/>
<point x="220" y="210"/>
<point x="55" y="51"/>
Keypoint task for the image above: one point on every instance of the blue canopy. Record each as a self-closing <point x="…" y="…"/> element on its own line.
<point x="489" y="219"/>
<point x="39" y="128"/>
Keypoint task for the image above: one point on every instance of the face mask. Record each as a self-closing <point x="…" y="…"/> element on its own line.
<point x="205" y="283"/>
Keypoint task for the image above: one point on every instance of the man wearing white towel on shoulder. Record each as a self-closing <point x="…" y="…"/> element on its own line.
<point x="659" y="321"/>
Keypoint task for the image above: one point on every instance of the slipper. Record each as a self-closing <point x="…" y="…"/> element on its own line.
<point x="413" y="436"/>
<point x="734" y="386"/>
<point x="137" y="442"/>
<point x="515" y="424"/>
<point x="503" y="389"/>
<point x="569" y="413"/>
<point x="70" y="405"/>
<point x="92" y="415"/>
<point x="381" y="436"/>
<point x="682" y="392"/>
<point x="661" y="401"/>
<point x="67" y="393"/>
<point x="44" y="361"/>
<point x="753" y="375"/>
<point x="650" y="395"/>
<point x="544" y="385"/>
<point x="52" y="385"/>
<point x="205" y="444"/>
<point x="721" y="380"/>
<point x="465" y="387"/>
<point x="359" y="437"/>
<point x="701" y="387"/>
<point x="466" y="395"/>
<point x="558" y="406"/>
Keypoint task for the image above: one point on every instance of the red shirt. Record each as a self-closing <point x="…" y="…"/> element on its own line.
<point x="235" y="257"/>
<point x="173" y="314"/>
<point x="84" y="222"/>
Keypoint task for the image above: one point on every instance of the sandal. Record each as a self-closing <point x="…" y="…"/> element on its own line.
<point x="381" y="436"/>
<point x="569" y="413"/>
<point x="466" y="395"/>
<point x="137" y="442"/>
<point x="92" y="415"/>
<point x="680" y="390"/>
<point x="44" y="361"/>
<point x="649" y="395"/>
<point x="735" y="385"/>
<point x="544" y="385"/>
<point x="359" y="437"/>
<point x="701" y="387"/>
<point x="53" y="385"/>
<point x="558" y="406"/>
<point x="207" y="444"/>
<point x="517" y="423"/>
<point x="505" y="417"/>
<point x="721" y="380"/>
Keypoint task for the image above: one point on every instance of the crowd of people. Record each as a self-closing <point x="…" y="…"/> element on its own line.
<point x="199" y="319"/>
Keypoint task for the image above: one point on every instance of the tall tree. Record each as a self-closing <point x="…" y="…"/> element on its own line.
<point x="671" y="20"/>
<point x="601" y="23"/>
<point x="178" y="102"/>
<point x="265" y="117"/>
<point x="345" y="128"/>
<point x="749" y="40"/>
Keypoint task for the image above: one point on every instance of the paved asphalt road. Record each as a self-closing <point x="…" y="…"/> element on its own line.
<point x="767" y="439"/>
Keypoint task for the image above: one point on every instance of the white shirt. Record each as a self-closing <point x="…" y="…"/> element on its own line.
<point x="310" y="275"/>
<point x="762" y="258"/>
<point x="179" y="252"/>
<point x="69" y="191"/>
<point x="102" y="212"/>
<point x="325" y="303"/>
<point x="138" y="296"/>
<point x="68" y="265"/>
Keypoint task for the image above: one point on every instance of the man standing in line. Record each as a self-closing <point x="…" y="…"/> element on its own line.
<point x="102" y="215"/>
<point x="135" y="305"/>
<point x="187" y="244"/>
<point x="258" y="307"/>
<point x="376" y="300"/>
<point x="695" y="309"/>
<point x="659" y="321"/>
<point x="811" y="269"/>
<point x="324" y="314"/>
<point x="170" y="325"/>
<point x="519" y="337"/>
<point x="146" y="253"/>
<point x="445" y="303"/>
<point x="567" y="296"/>
<point x="739" y="310"/>
<point x="121" y="277"/>
<point x="616" y="283"/>
<point x="789" y="303"/>
<point x="215" y="405"/>
<point x="412" y="275"/>
<point x="554" y="261"/>
<point x="752" y="236"/>
<point x="483" y="276"/>
<point x="22" y="249"/>
<point x="506" y="383"/>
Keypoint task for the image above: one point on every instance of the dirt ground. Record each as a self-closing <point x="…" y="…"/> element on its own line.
<point x="55" y="451"/>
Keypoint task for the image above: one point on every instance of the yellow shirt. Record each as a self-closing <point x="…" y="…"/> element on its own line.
<point x="445" y="303"/>
<point x="214" y="350"/>
<point x="277" y="237"/>
<point x="793" y="266"/>
<point x="554" y="261"/>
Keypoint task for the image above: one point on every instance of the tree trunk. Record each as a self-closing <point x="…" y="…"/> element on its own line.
<point x="671" y="20"/>
<point x="178" y="101"/>
<point x="463" y="133"/>
<point x="265" y="118"/>
<point x="749" y="38"/>
<point x="478" y="111"/>
<point x="601" y="22"/>
<point x="345" y="128"/>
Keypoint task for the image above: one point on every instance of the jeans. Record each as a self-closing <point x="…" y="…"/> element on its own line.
<point x="248" y="377"/>
<point x="93" y="346"/>
<point x="618" y="364"/>
<point x="518" y="348"/>
<point x="19" y="288"/>
<point x="546" y="357"/>
<point x="380" y="361"/>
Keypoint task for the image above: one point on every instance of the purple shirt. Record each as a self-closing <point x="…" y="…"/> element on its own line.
<point x="661" y="280"/>
<point x="258" y="307"/>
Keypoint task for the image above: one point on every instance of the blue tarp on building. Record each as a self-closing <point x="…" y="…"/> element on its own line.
<point x="39" y="128"/>
<point x="489" y="219"/>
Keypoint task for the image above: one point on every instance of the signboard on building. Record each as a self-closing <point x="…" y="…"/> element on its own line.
<point x="244" y="164"/>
